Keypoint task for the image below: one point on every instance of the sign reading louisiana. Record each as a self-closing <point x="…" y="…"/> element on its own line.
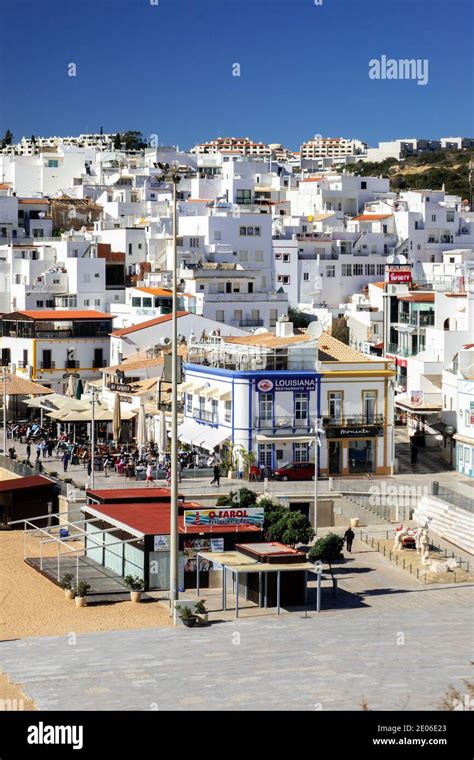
<point x="224" y="516"/>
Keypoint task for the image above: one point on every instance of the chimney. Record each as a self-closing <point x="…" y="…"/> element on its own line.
<point x="284" y="328"/>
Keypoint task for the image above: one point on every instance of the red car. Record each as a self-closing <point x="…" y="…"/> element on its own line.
<point x="295" y="471"/>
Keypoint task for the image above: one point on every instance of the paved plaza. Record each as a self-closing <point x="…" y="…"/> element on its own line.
<point x="387" y="641"/>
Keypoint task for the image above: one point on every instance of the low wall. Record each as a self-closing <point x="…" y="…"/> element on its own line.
<point x="448" y="521"/>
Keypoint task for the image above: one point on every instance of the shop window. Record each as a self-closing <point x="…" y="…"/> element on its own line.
<point x="361" y="456"/>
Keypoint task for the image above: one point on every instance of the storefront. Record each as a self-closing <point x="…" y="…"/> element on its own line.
<point x="352" y="450"/>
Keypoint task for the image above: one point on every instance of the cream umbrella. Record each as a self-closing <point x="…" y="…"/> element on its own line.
<point x="116" y="419"/>
<point x="71" y="387"/>
<point x="142" y="433"/>
<point x="163" y="438"/>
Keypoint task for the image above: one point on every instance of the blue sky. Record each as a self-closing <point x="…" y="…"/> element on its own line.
<point x="166" y="69"/>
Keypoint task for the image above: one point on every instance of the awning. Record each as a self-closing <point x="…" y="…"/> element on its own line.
<point x="183" y="387"/>
<point x="215" y="437"/>
<point x="405" y="403"/>
<point x="225" y="396"/>
<point x="210" y="392"/>
<point x="284" y="438"/>
<point x="192" y="433"/>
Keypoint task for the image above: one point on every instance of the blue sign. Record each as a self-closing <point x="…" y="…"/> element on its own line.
<point x="287" y="384"/>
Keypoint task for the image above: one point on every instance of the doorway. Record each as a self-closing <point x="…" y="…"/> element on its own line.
<point x="335" y="458"/>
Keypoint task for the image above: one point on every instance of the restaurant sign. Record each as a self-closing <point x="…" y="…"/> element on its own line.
<point x="364" y="431"/>
<point x="224" y="516"/>
<point x="290" y="383"/>
<point x="399" y="275"/>
<point x="120" y="387"/>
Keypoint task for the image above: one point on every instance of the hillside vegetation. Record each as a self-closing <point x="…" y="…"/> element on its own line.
<point x="427" y="170"/>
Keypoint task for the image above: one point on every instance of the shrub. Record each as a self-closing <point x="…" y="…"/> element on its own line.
<point x="134" y="583"/>
<point x="82" y="588"/>
<point x="327" y="549"/>
<point x="291" y="528"/>
<point x="66" y="581"/>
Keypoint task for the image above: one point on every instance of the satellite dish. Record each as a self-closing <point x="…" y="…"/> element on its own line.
<point x="315" y="329"/>
<point x="260" y="331"/>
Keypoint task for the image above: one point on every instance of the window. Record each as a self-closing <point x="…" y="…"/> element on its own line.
<point x="53" y="163"/>
<point x="265" y="454"/>
<point x="217" y="235"/>
<point x="194" y="242"/>
<point x="433" y="217"/>
<point x="86" y="277"/>
<point x="278" y="256"/>
<point x="306" y="276"/>
<point x="219" y="315"/>
<point x="243" y="255"/>
<point x="265" y="406"/>
<point x="286" y="257"/>
<point x="301" y="406"/>
<point x="130" y="249"/>
<point x="257" y="231"/>
<point x="331" y="270"/>
<point x="97" y="301"/>
<point x="370" y="269"/>
<point x="243" y="197"/>
<point x="38" y="233"/>
<point x="250" y="231"/>
<point x="86" y="302"/>
<point x="50" y="304"/>
<point x="273" y="317"/>
<point x="243" y="231"/>
<point x="284" y="278"/>
<point x="137" y="302"/>
<point x="300" y="452"/>
<point x="258" y="255"/>
<point x="189" y="403"/>
<point x="39" y="304"/>
<point x="369" y="405"/>
<point x="228" y="411"/>
<point x="147" y="303"/>
<point x="450" y="216"/>
<point x="97" y="274"/>
<point x="139" y="248"/>
<point x="363" y="185"/>
<point x="380" y="269"/>
<point x="346" y="270"/>
<point x="358" y="269"/>
<point x="335" y="405"/>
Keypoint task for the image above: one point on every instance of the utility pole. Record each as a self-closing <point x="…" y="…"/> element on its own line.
<point x="93" y="440"/>
<point x="173" y="175"/>
<point x="4" y="375"/>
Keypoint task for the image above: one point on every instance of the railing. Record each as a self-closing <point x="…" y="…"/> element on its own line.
<point x="251" y="322"/>
<point x="282" y="421"/>
<point x="72" y="364"/>
<point x="423" y="320"/>
<point x="393" y="348"/>
<point x="205" y="416"/>
<point x="355" y="419"/>
<point x="99" y="363"/>
<point x="47" y="365"/>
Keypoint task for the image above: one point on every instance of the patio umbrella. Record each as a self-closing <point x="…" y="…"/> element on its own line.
<point x="116" y="420"/>
<point x="142" y="437"/>
<point x="71" y="387"/>
<point x="163" y="438"/>
<point x="79" y="389"/>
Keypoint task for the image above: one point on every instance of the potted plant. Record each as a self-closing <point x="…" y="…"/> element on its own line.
<point x="66" y="584"/>
<point x="187" y="616"/>
<point x="201" y="612"/>
<point x="81" y="593"/>
<point x="135" y="584"/>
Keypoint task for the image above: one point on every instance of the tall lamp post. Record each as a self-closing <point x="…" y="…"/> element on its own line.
<point x="94" y="394"/>
<point x="173" y="174"/>
<point x="4" y="376"/>
<point x="315" y="329"/>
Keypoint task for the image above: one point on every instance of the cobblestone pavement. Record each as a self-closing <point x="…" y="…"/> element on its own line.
<point x="387" y="641"/>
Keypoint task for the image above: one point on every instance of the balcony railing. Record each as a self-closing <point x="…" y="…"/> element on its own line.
<point x="205" y="416"/>
<point x="394" y="348"/>
<point x="355" y="419"/>
<point x="48" y="365"/>
<point x="72" y="364"/>
<point x="99" y="363"/>
<point x="283" y="421"/>
<point x="250" y="322"/>
<point x="416" y="318"/>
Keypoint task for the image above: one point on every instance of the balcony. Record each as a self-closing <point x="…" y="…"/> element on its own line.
<point x="250" y="322"/>
<point x="48" y="365"/>
<point x="99" y="363"/>
<point x="421" y="319"/>
<point x="72" y="364"/>
<point x="354" y="419"/>
<point x="205" y="416"/>
<point x="282" y="421"/>
<point x="394" y="348"/>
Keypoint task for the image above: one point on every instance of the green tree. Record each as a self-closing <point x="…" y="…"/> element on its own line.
<point x="8" y="139"/>
<point x="291" y="528"/>
<point x="298" y="317"/>
<point x="242" y="498"/>
<point x="327" y="549"/>
<point x="118" y="141"/>
<point x="340" y="330"/>
<point x="133" y="140"/>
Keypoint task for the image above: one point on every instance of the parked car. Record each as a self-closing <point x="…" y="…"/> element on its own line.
<point x="295" y="471"/>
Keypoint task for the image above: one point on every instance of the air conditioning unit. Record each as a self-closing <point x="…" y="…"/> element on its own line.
<point x="165" y="341"/>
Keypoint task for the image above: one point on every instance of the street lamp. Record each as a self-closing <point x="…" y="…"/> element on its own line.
<point x="174" y="175"/>
<point x="315" y="330"/>
<point x="4" y="375"/>
<point x="94" y="394"/>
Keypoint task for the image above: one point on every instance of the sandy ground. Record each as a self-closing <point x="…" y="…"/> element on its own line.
<point x="30" y="605"/>
<point x="12" y="697"/>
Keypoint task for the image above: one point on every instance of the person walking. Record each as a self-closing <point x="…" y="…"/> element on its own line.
<point x="28" y="452"/>
<point x="349" y="536"/>
<point x="149" y="474"/>
<point x="89" y="467"/>
<point x="217" y="475"/>
<point x="65" y="460"/>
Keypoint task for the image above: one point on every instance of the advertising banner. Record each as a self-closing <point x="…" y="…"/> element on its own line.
<point x="223" y="516"/>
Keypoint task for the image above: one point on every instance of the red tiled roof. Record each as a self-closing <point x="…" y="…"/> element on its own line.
<point x="129" y="494"/>
<point x="31" y="201"/>
<point x="63" y="314"/>
<point x="30" y="481"/>
<point x="148" y="323"/>
<point x="419" y="297"/>
<point x="370" y="217"/>
<point x="154" y="518"/>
